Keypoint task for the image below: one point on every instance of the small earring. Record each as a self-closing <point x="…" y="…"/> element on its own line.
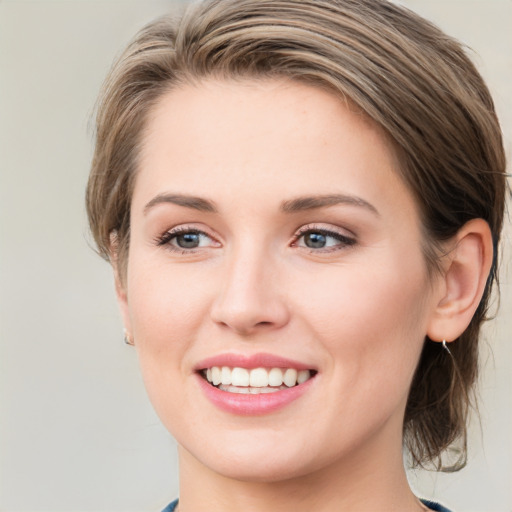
<point x="445" y="346"/>
<point x="128" y="339"/>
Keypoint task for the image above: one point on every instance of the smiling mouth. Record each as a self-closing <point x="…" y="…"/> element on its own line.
<point x="256" y="380"/>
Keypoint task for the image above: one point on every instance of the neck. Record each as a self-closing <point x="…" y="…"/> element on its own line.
<point x="372" y="478"/>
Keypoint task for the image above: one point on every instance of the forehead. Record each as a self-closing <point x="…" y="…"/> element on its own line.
<point x="258" y="108"/>
<point x="275" y="137"/>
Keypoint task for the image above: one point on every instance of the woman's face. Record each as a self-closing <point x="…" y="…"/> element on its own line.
<point x="270" y="232"/>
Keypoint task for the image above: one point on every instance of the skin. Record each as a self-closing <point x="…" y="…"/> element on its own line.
<point x="357" y="312"/>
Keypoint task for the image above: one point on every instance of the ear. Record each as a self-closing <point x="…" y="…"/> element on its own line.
<point x="120" y="284"/>
<point x="466" y="270"/>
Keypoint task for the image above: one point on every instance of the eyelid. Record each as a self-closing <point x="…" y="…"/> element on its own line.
<point x="165" y="238"/>
<point x="325" y="228"/>
<point x="345" y="237"/>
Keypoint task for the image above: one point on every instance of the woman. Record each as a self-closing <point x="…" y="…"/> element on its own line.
<point x="302" y="203"/>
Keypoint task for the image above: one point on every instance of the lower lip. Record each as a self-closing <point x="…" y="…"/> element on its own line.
<point x="250" y="405"/>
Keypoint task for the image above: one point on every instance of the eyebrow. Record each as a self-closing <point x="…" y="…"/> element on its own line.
<point x="322" y="201"/>
<point x="193" y="202"/>
<point x="293" y="205"/>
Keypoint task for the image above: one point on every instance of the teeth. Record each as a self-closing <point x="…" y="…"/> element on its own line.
<point x="256" y="380"/>
<point x="225" y="375"/>
<point x="303" y="376"/>
<point x="290" y="377"/>
<point x="275" y="377"/>
<point x="249" y="390"/>
<point x="216" y="376"/>
<point x="240" y="377"/>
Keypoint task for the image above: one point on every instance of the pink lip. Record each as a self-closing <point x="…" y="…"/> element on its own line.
<point x="261" y="360"/>
<point x="250" y="405"/>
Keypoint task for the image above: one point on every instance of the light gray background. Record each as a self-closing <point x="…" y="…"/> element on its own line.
<point x="76" y="430"/>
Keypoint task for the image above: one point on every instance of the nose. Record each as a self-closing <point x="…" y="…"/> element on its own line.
<point x="250" y="298"/>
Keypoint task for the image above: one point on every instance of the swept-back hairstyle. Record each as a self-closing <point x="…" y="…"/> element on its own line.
<point x="400" y="71"/>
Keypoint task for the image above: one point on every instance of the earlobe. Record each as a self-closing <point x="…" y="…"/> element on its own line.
<point x="467" y="268"/>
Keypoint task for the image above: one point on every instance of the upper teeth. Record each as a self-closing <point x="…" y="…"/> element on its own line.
<point x="257" y="377"/>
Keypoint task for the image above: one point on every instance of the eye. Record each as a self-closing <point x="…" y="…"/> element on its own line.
<point x="318" y="239"/>
<point x="186" y="239"/>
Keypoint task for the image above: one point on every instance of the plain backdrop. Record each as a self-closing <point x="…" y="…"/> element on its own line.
<point x="76" y="430"/>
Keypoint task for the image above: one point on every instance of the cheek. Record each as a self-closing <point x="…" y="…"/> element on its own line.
<point x="163" y="327"/>
<point x="372" y="322"/>
<point x="167" y="309"/>
<point x="366" y="296"/>
<point x="165" y="302"/>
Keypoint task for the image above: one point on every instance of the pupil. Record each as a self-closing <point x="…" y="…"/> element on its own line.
<point x="315" y="240"/>
<point x="188" y="240"/>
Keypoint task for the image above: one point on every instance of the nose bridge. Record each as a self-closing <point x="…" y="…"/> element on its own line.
<point x="250" y="298"/>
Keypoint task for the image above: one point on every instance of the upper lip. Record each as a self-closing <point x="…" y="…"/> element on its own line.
<point x="260" y="360"/>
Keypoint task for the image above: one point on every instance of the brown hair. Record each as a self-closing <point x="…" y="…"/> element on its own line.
<point x="401" y="71"/>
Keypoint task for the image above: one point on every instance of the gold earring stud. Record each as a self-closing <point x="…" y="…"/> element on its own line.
<point x="128" y="339"/>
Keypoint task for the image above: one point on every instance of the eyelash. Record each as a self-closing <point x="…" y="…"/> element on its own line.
<point x="345" y="241"/>
<point x="169" y="236"/>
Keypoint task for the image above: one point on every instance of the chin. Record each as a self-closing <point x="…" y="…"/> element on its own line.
<point x="260" y="469"/>
<point x="253" y="457"/>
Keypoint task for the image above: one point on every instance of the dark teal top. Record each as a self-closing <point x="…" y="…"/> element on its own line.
<point x="430" y="504"/>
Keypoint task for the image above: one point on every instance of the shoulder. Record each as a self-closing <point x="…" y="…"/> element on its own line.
<point x="171" y="507"/>
<point x="436" y="507"/>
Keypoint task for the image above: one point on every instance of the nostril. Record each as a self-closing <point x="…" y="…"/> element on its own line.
<point x="249" y="300"/>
